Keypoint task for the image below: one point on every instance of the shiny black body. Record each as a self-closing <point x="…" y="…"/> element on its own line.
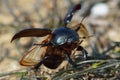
<point x="64" y="35"/>
<point x="62" y="42"/>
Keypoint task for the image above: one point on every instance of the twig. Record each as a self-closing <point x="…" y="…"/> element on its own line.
<point x="117" y="44"/>
<point x="87" y="70"/>
<point x="57" y="76"/>
<point x="20" y="71"/>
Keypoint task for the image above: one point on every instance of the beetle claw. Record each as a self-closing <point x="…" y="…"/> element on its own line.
<point x="71" y="61"/>
<point x="84" y="54"/>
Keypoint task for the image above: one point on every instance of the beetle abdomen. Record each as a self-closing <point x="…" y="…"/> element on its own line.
<point x="53" y="61"/>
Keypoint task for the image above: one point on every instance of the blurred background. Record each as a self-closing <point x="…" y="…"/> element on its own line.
<point x="102" y="21"/>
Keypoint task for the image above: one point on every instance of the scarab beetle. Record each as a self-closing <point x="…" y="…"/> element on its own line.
<point x="59" y="45"/>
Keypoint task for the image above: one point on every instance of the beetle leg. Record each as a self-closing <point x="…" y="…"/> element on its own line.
<point x="39" y="64"/>
<point x="43" y="45"/>
<point x="70" y="60"/>
<point x="71" y="13"/>
<point x="84" y="52"/>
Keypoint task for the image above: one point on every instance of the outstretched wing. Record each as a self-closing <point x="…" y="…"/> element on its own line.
<point x="33" y="56"/>
<point x="32" y="32"/>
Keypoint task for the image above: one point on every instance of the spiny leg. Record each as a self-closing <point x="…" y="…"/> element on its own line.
<point x="70" y="60"/>
<point x="43" y="45"/>
<point x="36" y="67"/>
<point x="71" y="13"/>
<point x="39" y="64"/>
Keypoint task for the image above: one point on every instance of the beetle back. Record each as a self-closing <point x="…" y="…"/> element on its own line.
<point x="64" y="35"/>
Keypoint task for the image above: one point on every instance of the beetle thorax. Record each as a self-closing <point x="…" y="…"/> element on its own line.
<point x="64" y="35"/>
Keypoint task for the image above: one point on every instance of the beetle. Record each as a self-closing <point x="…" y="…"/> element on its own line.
<point x="59" y="45"/>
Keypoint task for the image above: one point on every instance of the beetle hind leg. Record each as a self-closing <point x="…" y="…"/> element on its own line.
<point x="70" y="60"/>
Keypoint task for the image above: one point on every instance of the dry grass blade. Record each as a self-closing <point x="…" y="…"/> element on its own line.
<point x="107" y="64"/>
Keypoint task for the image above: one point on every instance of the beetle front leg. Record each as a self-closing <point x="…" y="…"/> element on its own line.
<point x="84" y="52"/>
<point x="70" y="60"/>
<point x="43" y="45"/>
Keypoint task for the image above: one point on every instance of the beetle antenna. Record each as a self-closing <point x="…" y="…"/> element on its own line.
<point x="80" y="24"/>
<point x="82" y="19"/>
